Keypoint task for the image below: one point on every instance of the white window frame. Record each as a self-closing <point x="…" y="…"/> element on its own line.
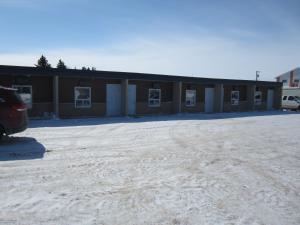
<point x="89" y="99"/>
<point x="235" y="101"/>
<point x="194" y="98"/>
<point x="150" y="100"/>
<point x="28" y="104"/>
<point x="258" y="102"/>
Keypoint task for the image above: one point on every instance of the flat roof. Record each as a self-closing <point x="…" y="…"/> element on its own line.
<point x="37" y="71"/>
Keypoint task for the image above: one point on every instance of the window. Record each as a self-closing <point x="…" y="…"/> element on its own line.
<point x="190" y="97"/>
<point x="296" y="83"/>
<point x="291" y="98"/>
<point x="284" y="81"/>
<point x="154" y="97"/>
<point x="284" y="97"/>
<point x="82" y="97"/>
<point x="25" y="92"/>
<point x="235" y="96"/>
<point x="258" y="97"/>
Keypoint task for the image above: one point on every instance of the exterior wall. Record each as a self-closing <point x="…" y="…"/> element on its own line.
<point x="199" y="107"/>
<point x="243" y="101"/>
<point x="290" y="77"/>
<point x="42" y="98"/>
<point x="218" y="98"/>
<point x="142" y="108"/>
<point x="67" y="110"/>
<point x="200" y="97"/>
<point x="277" y="97"/>
<point x="98" y="97"/>
<point x="264" y="92"/>
<point x="241" y="107"/>
<point x="142" y="93"/>
<point x="177" y="93"/>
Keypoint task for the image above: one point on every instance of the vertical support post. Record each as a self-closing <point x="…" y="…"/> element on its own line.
<point x="218" y="98"/>
<point x="124" y="98"/>
<point x="177" y="93"/>
<point x="56" y="96"/>
<point x="251" y="89"/>
<point x="277" y="97"/>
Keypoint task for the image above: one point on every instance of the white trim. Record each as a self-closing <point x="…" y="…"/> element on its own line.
<point x="29" y="105"/>
<point x="89" y="99"/>
<point x="195" y="97"/>
<point x="235" y="101"/>
<point x="155" y="105"/>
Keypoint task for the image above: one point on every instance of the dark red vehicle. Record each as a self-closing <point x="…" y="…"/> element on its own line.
<point x="13" y="112"/>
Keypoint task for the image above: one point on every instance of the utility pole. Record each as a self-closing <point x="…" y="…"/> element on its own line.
<point x="257" y="75"/>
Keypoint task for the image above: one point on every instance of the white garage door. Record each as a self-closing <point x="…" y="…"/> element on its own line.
<point x="131" y="99"/>
<point x="113" y="99"/>
<point x="209" y="100"/>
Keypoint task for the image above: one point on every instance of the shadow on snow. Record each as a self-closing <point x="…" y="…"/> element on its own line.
<point x="20" y="148"/>
<point x="154" y="118"/>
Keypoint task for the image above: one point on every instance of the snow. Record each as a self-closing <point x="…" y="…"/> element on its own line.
<point x="231" y="168"/>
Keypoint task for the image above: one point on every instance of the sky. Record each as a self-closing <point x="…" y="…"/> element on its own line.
<point x="216" y="38"/>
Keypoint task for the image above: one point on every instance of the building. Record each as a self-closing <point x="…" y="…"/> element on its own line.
<point x="290" y="79"/>
<point x="77" y="93"/>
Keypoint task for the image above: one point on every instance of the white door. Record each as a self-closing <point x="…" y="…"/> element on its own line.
<point x="270" y="99"/>
<point x="131" y="99"/>
<point x="209" y="100"/>
<point x="113" y="99"/>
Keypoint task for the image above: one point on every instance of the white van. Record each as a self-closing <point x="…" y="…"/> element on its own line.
<point x="291" y="102"/>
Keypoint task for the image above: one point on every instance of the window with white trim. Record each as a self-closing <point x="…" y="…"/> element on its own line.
<point x="235" y="97"/>
<point x="25" y="92"/>
<point x="82" y="97"/>
<point x="154" y="97"/>
<point x="258" y="98"/>
<point x="190" y="97"/>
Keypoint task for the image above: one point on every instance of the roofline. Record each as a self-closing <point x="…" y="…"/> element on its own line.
<point x="36" y="71"/>
<point x="297" y="68"/>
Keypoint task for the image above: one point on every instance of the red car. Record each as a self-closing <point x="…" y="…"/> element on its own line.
<point x="13" y="112"/>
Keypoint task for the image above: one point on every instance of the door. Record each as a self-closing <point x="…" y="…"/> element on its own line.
<point x="113" y="99"/>
<point x="131" y="99"/>
<point x="270" y="100"/>
<point x="292" y="103"/>
<point x="209" y="100"/>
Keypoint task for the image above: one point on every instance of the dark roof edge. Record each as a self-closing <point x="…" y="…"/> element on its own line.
<point x="33" y="71"/>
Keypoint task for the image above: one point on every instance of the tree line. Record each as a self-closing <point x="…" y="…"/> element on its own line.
<point x="43" y="63"/>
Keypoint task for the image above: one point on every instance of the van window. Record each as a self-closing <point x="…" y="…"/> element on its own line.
<point x="291" y="98"/>
<point x="284" y="97"/>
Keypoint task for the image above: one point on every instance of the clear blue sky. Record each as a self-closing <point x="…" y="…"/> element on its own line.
<point x="229" y="39"/>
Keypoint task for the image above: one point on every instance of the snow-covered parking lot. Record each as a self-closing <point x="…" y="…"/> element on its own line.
<point x="239" y="168"/>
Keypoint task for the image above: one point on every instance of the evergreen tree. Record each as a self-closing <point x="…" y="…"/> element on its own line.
<point x="43" y="62"/>
<point x="61" y="65"/>
<point x="84" y="68"/>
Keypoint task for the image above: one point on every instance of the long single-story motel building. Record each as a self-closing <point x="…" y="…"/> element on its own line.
<point x="71" y="93"/>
